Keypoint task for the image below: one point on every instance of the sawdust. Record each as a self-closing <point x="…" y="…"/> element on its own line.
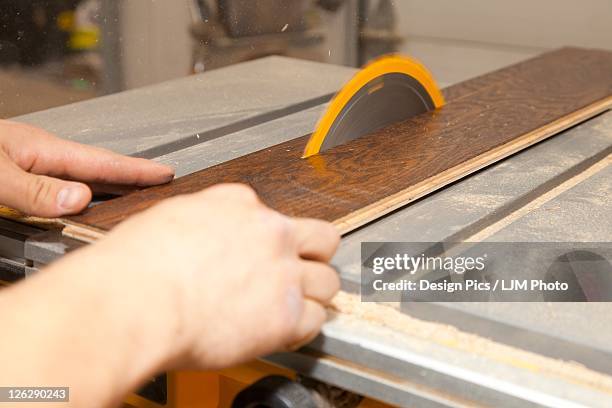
<point x="451" y="337"/>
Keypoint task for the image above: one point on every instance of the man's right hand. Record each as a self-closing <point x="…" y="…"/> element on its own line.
<point x="239" y="279"/>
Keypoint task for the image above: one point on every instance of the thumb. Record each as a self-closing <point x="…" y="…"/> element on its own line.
<point x="44" y="196"/>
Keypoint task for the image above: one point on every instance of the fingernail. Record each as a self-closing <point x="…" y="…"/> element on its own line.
<point x="166" y="173"/>
<point x="170" y="174"/>
<point x="69" y="198"/>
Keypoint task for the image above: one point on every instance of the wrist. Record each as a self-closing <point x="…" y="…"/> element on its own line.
<point x="128" y="315"/>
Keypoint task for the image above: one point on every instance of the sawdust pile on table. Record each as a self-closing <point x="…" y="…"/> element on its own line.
<point x="451" y="337"/>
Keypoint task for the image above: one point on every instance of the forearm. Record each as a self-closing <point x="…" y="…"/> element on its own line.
<point x="78" y="324"/>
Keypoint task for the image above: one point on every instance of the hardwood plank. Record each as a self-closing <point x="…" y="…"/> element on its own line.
<point x="486" y="119"/>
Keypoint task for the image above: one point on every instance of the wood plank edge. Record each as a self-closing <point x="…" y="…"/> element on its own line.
<point x="83" y="233"/>
<point x="397" y="200"/>
<point x="44" y="223"/>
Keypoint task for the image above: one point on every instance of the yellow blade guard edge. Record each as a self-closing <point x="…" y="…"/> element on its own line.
<point x="381" y="66"/>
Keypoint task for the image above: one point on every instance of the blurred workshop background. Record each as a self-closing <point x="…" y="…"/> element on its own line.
<point x="54" y="52"/>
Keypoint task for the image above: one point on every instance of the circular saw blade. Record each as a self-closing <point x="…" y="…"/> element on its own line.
<point x="387" y="91"/>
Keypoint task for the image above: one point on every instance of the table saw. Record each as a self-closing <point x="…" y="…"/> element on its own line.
<point x="557" y="190"/>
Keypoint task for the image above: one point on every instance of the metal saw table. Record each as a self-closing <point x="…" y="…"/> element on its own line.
<point x="558" y="190"/>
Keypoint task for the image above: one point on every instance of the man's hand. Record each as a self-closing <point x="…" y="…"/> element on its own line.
<point x="36" y="166"/>
<point x="240" y="279"/>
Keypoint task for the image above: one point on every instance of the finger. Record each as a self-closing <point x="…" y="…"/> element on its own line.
<point x="316" y="240"/>
<point x="49" y="155"/>
<point x="313" y="317"/>
<point x="42" y="196"/>
<point x="320" y="282"/>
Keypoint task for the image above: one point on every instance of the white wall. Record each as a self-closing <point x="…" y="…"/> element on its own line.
<point x="459" y="39"/>
<point x="529" y="23"/>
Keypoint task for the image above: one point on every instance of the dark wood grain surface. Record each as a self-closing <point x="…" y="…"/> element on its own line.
<point x="480" y="116"/>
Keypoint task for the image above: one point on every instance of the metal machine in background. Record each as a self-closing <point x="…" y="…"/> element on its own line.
<point x="377" y="34"/>
<point x="232" y="31"/>
<point x="35" y="32"/>
<point x="82" y="38"/>
<point x="30" y="31"/>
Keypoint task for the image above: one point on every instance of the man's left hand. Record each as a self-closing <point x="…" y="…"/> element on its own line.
<point x="45" y="176"/>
